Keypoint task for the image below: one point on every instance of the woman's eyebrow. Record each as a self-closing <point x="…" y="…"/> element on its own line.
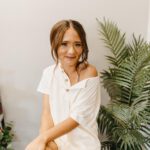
<point x="74" y="42"/>
<point x="78" y="42"/>
<point x="65" y="41"/>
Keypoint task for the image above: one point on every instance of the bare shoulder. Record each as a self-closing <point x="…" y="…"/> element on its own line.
<point x="89" y="72"/>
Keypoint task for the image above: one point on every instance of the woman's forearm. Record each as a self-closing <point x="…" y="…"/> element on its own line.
<point x="46" y="117"/>
<point x="59" y="130"/>
<point x="46" y="123"/>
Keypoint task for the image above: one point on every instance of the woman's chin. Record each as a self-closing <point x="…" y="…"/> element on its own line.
<point x="70" y="62"/>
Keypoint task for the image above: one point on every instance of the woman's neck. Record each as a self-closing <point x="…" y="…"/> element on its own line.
<point x="69" y="69"/>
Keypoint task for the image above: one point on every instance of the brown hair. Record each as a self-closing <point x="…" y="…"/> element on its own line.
<point x="56" y="37"/>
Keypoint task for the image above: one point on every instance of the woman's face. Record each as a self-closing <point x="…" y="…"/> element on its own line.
<point x="70" y="49"/>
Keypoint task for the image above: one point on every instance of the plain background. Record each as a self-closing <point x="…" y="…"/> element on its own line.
<point x="25" y="50"/>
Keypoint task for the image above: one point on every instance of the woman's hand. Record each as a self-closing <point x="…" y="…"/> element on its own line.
<point x="37" y="144"/>
<point x="51" y="146"/>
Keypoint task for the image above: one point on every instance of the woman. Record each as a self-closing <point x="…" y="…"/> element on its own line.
<point x="71" y="93"/>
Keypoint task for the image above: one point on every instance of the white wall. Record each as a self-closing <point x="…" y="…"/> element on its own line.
<point x="25" y="51"/>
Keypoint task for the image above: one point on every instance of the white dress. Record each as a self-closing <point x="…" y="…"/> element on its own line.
<point x="80" y="101"/>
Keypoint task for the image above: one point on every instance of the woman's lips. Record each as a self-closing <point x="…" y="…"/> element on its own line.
<point x="70" y="57"/>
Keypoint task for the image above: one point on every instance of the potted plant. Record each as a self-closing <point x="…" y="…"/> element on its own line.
<point x="125" y="121"/>
<point x="6" y="137"/>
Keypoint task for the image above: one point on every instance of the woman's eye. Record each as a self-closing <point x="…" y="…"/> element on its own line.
<point x="78" y="45"/>
<point x="64" y="44"/>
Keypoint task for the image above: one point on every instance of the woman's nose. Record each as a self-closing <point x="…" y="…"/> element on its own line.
<point x="71" y="50"/>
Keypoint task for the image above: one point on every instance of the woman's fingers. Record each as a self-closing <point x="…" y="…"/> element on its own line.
<point x="48" y="148"/>
<point x="53" y="145"/>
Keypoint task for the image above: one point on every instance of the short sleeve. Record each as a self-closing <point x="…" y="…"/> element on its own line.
<point x="45" y="82"/>
<point x="85" y="108"/>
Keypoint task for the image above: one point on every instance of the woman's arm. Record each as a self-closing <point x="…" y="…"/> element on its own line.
<point x="51" y="134"/>
<point x="46" y="118"/>
<point x="59" y="130"/>
<point x="47" y="121"/>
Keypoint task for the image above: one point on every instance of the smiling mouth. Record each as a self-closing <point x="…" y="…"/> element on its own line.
<point x="70" y="57"/>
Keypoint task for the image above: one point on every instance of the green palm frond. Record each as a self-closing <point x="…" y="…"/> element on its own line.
<point x="107" y="143"/>
<point x="126" y="119"/>
<point x="129" y="139"/>
<point x="114" y="40"/>
<point x="106" y="119"/>
<point x="110" y="84"/>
